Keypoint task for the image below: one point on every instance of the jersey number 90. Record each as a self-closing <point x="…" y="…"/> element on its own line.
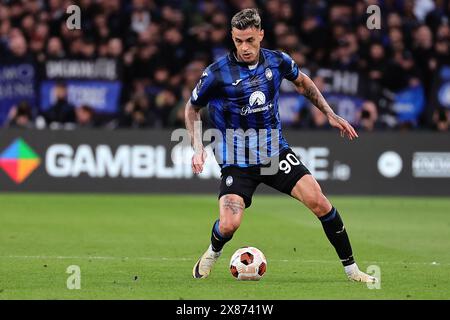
<point x="286" y="165"/>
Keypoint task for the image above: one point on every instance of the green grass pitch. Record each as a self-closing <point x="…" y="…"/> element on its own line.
<point x="144" y="247"/>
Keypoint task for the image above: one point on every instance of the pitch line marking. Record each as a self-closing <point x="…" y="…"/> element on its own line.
<point x="434" y="263"/>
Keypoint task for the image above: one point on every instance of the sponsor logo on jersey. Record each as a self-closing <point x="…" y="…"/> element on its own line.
<point x="257" y="98"/>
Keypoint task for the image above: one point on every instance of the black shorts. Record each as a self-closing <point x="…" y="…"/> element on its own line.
<point x="243" y="181"/>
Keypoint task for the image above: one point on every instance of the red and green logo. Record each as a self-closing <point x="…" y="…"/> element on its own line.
<point x="19" y="161"/>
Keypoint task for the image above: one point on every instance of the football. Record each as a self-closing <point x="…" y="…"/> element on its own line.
<point x="248" y="263"/>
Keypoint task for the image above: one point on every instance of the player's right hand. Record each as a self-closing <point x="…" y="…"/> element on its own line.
<point x="198" y="159"/>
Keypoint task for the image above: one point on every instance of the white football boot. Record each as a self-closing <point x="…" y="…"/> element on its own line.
<point x="354" y="274"/>
<point x="204" y="265"/>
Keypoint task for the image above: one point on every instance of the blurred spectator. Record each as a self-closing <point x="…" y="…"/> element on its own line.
<point x="340" y="12"/>
<point x="20" y="116"/>
<point x="115" y="48"/>
<point x="441" y="119"/>
<point x="312" y="33"/>
<point x="289" y="41"/>
<point x="144" y="63"/>
<point x="140" y="18"/>
<point x="402" y="72"/>
<point x="88" y="49"/>
<point x="192" y="73"/>
<point x="174" y="49"/>
<point x="396" y="41"/>
<point x="61" y="111"/>
<point x="423" y="54"/>
<point x="219" y="36"/>
<point x="376" y="62"/>
<point x="75" y="48"/>
<point x="286" y="13"/>
<point x="280" y="30"/>
<point x="441" y="47"/>
<point x="165" y="102"/>
<point x="55" y="48"/>
<point x="18" y="50"/>
<point x="368" y="117"/>
<point x="137" y="113"/>
<point x="344" y="57"/>
<point x="85" y="117"/>
<point x="409" y="18"/>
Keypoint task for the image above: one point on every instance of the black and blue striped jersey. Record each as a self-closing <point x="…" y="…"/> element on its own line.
<point x="243" y="101"/>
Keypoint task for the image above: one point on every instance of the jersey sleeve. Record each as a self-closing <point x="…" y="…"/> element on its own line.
<point x="289" y="69"/>
<point x="203" y="91"/>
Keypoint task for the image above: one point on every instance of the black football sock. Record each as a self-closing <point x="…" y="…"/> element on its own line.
<point x="217" y="239"/>
<point x="337" y="235"/>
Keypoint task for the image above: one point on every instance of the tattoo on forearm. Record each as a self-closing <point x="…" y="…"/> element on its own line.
<point x="194" y="126"/>
<point x="312" y="93"/>
<point x="235" y="206"/>
<point x="308" y="88"/>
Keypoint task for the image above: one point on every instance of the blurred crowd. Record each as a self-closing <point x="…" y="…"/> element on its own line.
<point x="163" y="47"/>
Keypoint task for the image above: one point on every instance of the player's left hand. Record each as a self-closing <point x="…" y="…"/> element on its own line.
<point x="343" y="125"/>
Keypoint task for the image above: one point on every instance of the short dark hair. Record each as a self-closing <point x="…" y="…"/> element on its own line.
<point x="247" y="18"/>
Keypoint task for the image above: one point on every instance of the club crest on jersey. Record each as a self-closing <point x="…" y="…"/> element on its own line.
<point x="269" y="74"/>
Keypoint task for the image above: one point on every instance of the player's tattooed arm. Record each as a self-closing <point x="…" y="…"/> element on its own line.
<point x="194" y="127"/>
<point x="235" y="206"/>
<point x="306" y="86"/>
